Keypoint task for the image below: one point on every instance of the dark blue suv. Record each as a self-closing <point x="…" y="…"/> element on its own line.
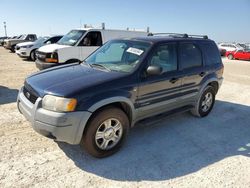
<point x="96" y="102"/>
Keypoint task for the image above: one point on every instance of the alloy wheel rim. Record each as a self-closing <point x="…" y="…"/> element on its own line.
<point x="108" y="134"/>
<point x="207" y="102"/>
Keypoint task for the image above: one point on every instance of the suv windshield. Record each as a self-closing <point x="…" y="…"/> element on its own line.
<point x="41" y="40"/>
<point x="118" y="55"/>
<point x="71" y="38"/>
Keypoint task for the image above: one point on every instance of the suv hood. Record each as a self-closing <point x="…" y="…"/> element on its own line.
<point x="52" y="47"/>
<point x="25" y="44"/>
<point x="68" y="80"/>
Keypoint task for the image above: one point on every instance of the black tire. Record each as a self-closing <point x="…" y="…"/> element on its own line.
<point x="33" y="55"/>
<point x="89" y="141"/>
<point x="199" y="109"/>
<point x="12" y="49"/>
<point x="230" y="56"/>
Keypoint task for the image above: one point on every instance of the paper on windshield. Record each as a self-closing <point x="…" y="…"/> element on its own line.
<point x="135" y="51"/>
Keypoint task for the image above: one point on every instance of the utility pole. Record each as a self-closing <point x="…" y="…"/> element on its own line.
<point x="4" y="25"/>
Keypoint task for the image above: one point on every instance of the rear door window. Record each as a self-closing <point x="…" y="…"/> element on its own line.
<point x="189" y="55"/>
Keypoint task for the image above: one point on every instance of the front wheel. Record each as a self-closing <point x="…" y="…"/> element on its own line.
<point x="205" y="103"/>
<point x="230" y="56"/>
<point x="105" y="132"/>
<point x="12" y="49"/>
<point x="33" y="55"/>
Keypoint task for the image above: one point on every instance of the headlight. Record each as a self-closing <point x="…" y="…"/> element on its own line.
<point x="53" y="58"/>
<point x="59" y="104"/>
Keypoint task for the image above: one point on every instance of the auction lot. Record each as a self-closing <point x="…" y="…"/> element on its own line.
<point x="178" y="151"/>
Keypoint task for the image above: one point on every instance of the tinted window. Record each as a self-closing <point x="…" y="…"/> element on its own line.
<point x="54" y="39"/>
<point x="30" y="37"/>
<point x="165" y="56"/>
<point x="93" y="38"/>
<point x="211" y="53"/>
<point x="190" y="55"/>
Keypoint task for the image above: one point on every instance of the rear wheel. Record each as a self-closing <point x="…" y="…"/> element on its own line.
<point x="205" y="103"/>
<point x="230" y="56"/>
<point x="105" y="132"/>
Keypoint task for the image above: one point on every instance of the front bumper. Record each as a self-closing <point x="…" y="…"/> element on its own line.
<point x="65" y="127"/>
<point x="24" y="53"/>
<point x="43" y="65"/>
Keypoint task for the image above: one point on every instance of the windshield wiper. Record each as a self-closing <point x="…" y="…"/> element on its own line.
<point x="100" y="66"/>
<point x="85" y="63"/>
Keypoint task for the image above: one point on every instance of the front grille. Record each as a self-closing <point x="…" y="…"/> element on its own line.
<point x="29" y="95"/>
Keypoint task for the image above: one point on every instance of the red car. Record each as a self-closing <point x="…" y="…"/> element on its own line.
<point x="240" y="54"/>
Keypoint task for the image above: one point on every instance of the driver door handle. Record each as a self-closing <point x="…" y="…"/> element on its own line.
<point x="173" y="80"/>
<point x="202" y="74"/>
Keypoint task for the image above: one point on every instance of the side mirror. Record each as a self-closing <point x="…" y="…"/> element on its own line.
<point x="48" y="42"/>
<point x="154" y="70"/>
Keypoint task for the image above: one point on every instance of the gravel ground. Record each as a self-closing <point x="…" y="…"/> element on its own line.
<point x="178" y="151"/>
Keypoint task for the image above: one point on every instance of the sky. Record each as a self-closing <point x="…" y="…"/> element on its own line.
<point x="221" y="20"/>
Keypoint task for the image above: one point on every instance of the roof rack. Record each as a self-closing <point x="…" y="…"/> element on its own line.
<point x="179" y="35"/>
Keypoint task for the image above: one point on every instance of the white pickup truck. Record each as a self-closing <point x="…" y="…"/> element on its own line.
<point x="78" y="44"/>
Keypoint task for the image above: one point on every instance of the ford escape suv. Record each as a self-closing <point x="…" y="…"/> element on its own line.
<point x="96" y="102"/>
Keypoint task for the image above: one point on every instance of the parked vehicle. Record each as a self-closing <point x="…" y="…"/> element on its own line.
<point x="239" y="54"/>
<point x="222" y="52"/>
<point x="28" y="49"/>
<point x="230" y="46"/>
<point x="77" y="45"/>
<point x="96" y="102"/>
<point x="247" y="45"/>
<point x="11" y="43"/>
<point x="2" y="39"/>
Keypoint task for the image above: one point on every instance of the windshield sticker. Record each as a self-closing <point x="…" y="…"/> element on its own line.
<point x="135" y="51"/>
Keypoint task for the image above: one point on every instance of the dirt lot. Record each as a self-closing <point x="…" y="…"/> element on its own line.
<point x="179" y="151"/>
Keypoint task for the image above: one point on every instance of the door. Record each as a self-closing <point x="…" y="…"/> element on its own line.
<point x="90" y="42"/>
<point x="191" y="63"/>
<point x="240" y="54"/>
<point x="158" y="93"/>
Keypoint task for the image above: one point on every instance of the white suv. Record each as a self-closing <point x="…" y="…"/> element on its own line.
<point x="27" y="49"/>
<point x="229" y="47"/>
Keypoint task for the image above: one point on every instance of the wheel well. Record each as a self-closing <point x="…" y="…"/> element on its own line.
<point x="33" y="51"/>
<point x="215" y="85"/>
<point x="122" y="105"/>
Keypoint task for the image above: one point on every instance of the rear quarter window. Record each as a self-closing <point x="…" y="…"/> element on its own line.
<point x="211" y="53"/>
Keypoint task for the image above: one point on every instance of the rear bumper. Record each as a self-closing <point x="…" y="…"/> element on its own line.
<point x="220" y="80"/>
<point x="43" y="65"/>
<point x="65" y="127"/>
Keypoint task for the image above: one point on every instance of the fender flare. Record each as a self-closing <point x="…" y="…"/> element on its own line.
<point x="111" y="100"/>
